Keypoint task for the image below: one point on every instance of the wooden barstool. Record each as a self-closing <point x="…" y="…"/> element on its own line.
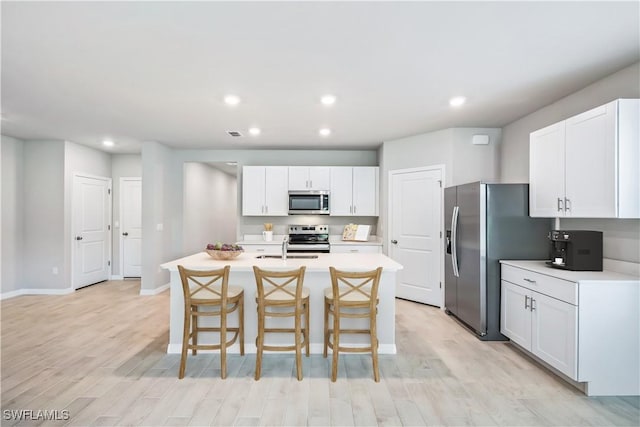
<point x="351" y="295"/>
<point x="278" y="292"/>
<point x="201" y="290"/>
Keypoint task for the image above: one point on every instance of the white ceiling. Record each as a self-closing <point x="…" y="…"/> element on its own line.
<point x="136" y="71"/>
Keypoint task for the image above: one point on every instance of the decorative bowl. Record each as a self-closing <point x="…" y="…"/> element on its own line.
<point x="223" y="255"/>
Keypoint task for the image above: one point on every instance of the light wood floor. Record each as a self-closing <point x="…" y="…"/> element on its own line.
<point x="100" y="354"/>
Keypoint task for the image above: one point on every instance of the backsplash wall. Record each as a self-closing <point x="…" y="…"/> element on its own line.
<point x="255" y="224"/>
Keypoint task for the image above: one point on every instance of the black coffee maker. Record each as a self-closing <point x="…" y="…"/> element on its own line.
<point x="577" y="250"/>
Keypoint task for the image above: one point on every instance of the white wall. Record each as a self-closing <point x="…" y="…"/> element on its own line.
<point x="44" y="222"/>
<point x="12" y="196"/>
<point x="463" y="161"/>
<point x="122" y="166"/>
<point x="621" y="237"/>
<point x="209" y="206"/>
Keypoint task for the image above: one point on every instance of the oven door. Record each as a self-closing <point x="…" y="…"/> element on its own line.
<point x="308" y="203"/>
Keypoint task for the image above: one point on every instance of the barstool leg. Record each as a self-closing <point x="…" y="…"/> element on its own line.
<point x="298" y="336"/>
<point x="241" y="324"/>
<point x="185" y="342"/>
<point x="194" y="323"/>
<point x="306" y="328"/>
<point x="336" y="344"/>
<point x="374" y="348"/>
<point x="259" y="342"/>
<point x="223" y="344"/>
<point x="326" y="328"/>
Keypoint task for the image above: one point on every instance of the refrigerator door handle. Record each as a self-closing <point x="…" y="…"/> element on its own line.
<point x="454" y="241"/>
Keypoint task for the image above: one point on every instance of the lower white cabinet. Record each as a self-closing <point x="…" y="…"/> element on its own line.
<point x="355" y="248"/>
<point x="262" y="248"/>
<point x="585" y="325"/>
<point x="543" y="325"/>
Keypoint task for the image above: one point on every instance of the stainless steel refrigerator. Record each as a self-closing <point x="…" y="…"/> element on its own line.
<point x="485" y="223"/>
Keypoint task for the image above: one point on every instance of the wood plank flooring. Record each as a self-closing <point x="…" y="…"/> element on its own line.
<point x="99" y="354"/>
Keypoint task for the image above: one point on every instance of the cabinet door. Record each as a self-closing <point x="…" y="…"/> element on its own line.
<point x="298" y="178"/>
<point x="515" y="315"/>
<point x="590" y="164"/>
<point x="276" y="195"/>
<point x="554" y="334"/>
<point x="253" y="190"/>
<point x="320" y="178"/>
<point x="365" y="191"/>
<point x="546" y="171"/>
<point x="267" y="249"/>
<point x="341" y="191"/>
<point x="355" y="249"/>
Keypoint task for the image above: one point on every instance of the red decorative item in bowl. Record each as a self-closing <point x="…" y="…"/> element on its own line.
<point x="223" y="251"/>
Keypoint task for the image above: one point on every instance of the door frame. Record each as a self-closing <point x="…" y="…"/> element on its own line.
<point x="120" y="212"/>
<point x="109" y="219"/>
<point x="441" y="168"/>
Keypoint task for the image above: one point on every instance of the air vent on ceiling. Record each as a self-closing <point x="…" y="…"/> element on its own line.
<point x="234" y="133"/>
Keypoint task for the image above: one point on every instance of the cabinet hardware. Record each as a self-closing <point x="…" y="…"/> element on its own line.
<point x="526" y="302"/>
<point x="310" y="183"/>
<point x="395" y="242"/>
<point x="354" y="250"/>
<point x="529" y="280"/>
<point x="351" y="209"/>
<point x="266" y="209"/>
<point x="560" y="205"/>
<point x="125" y="234"/>
<point x="354" y="208"/>
<point x="567" y="204"/>
<point x="533" y="307"/>
<point x="78" y="237"/>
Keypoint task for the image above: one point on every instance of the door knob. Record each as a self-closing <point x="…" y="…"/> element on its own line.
<point x="395" y="242"/>
<point x="78" y="237"/>
<point x="125" y="234"/>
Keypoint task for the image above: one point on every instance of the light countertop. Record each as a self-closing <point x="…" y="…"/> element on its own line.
<point x="573" y="276"/>
<point x="246" y="261"/>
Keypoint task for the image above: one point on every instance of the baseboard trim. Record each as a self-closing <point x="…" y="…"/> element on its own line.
<point x="26" y="291"/>
<point x="116" y="277"/>
<point x="314" y="348"/>
<point x="156" y="291"/>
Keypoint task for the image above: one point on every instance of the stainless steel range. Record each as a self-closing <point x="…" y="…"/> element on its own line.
<point x="309" y="238"/>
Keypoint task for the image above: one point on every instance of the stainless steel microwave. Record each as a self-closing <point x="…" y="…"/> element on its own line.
<point x="308" y="203"/>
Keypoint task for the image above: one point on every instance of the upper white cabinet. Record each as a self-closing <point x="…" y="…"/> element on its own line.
<point x="588" y="165"/>
<point x="265" y="191"/>
<point x="308" y="178"/>
<point x="354" y="191"/>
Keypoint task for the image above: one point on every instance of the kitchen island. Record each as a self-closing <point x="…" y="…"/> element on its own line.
<point x="316" y="279"/>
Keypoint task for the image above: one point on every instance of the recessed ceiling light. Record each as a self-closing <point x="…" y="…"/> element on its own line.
<point x="232" y="163"/>
<point x="325" y="132"/>
<point x="328" y="99"/>
<point x="232" y="100"/>
<point x="108" y="143"/>
<point x="254" y="131"/>
<point x="457" y="101"/>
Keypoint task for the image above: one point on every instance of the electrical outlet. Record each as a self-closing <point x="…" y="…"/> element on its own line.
<point x="159" y="227"/>
<point x="55" y="270"/>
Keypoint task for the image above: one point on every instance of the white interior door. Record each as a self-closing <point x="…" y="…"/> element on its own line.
<point x="131" y="226"/>
<point x="415" y="218"/>
<point x="91" y="230"/>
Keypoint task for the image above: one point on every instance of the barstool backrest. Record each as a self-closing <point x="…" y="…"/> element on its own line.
<point x="279" y="285"/>
<point x="355" y="287"/>
<point x="205" y="284"/>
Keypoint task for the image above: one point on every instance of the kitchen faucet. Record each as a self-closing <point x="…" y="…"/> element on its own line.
<point x="285" y="247"/>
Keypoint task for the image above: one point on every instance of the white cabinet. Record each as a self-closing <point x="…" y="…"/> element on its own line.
<point x="356" y="249"/>
<point x="582" y="324"/>
<point x="263" y="248"/>
<point x="310" y="178"/>
<point x="354" y="191"/>
<point x="543" y="325"/>
<point x="588" y="165"/>
<point x="264" y="191"/>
